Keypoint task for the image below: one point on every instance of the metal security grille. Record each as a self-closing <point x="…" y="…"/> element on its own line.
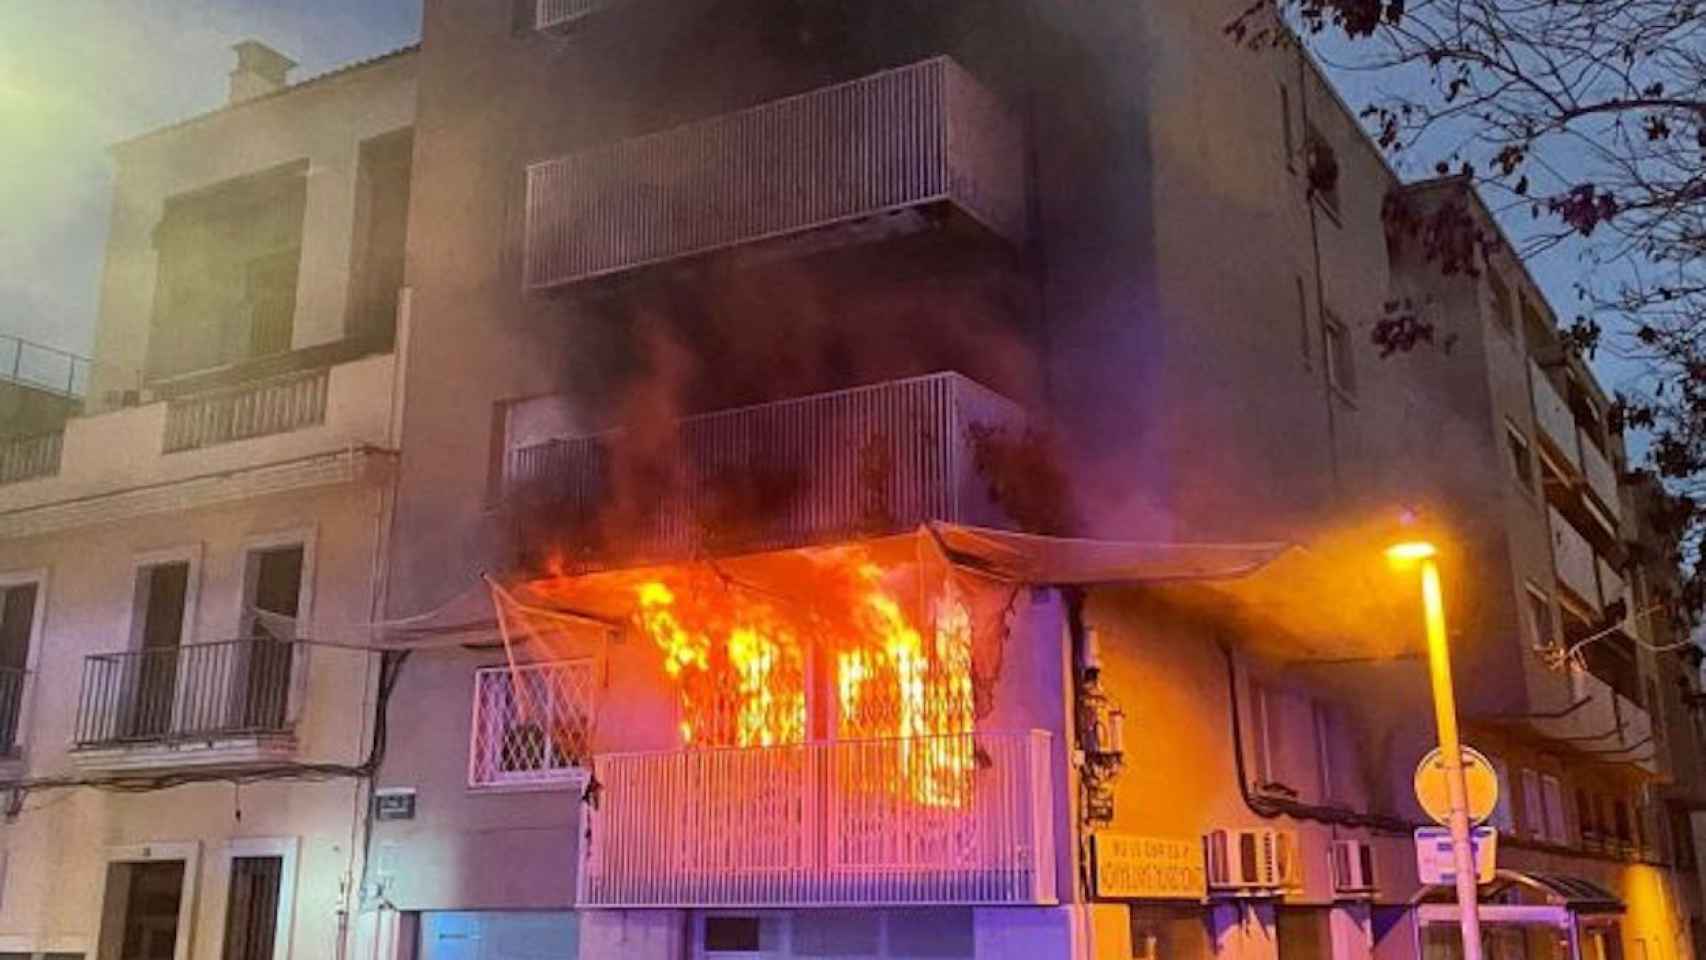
<point x="907" y="137"/>
<point x="561" y="13"/>
<point x="251" y="915"/>
<point x="278" y="405"/>
<point x="532" y="724"/>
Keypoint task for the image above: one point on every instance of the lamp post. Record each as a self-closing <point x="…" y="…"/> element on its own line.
<point x="1421" y="553"/>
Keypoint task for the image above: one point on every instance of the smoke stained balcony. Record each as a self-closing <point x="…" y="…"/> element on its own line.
<point x="822" y="824"/>
<point x="868" y="461"/>
<point x="921" y="136"/>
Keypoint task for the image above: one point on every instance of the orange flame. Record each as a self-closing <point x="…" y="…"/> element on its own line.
<point x="739" y="661"/>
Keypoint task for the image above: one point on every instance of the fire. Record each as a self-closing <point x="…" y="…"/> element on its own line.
<point x="739" y="660"/>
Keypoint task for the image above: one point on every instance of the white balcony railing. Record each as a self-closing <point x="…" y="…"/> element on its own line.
<point x="277" y="405"/>
<point x="1573" y="560"/>
<point x="531" y="724"/>
<point x="913" y="136"/>
<point x="823" y="824"/>
<point x="1602" y="478"/>
<point x="877" y="459"/>
<point x="1557" y="423"/>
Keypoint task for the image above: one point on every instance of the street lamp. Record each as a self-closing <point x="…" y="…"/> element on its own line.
<point x="1421" y="553"/>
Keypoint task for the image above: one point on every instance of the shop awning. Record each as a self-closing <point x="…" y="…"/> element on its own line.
<point x="1519" y="888"/>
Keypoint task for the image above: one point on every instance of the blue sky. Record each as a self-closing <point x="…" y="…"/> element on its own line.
<point x="79" y="75"/>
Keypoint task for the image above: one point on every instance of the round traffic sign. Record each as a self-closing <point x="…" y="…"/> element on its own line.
<point x="1479" y="779"/>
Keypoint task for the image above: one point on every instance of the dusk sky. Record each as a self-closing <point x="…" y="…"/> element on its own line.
<point x="79" y="75"/>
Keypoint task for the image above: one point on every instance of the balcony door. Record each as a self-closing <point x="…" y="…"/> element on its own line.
<point x="17" y="620"/>
<point x="273" y="581"/>
<point x="162" y="592"/>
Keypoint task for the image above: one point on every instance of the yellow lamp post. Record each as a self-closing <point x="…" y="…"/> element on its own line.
<point x="1421" y="553"/>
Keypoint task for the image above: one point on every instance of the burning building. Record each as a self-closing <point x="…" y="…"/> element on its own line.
<point x="895" y="480"/>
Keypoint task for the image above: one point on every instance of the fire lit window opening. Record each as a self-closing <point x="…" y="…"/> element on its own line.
<point x="532" y="724"/>
<point x="853" y="654"/>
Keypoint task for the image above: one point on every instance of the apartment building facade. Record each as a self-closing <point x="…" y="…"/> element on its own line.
<point x="716" y="264"/>
<point x="191" y="551"/>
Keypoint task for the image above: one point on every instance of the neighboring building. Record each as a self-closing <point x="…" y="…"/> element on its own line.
<point x="189" y="566"/>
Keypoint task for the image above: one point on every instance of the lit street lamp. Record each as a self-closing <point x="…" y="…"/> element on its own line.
<point x="1421" y="553"/>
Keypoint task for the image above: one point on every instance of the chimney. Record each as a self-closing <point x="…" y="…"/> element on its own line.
<point x="260" y="70"/>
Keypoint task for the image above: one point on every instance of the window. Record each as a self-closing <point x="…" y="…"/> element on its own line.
<point x="1552" y="805"/>
<point x="734" y="935"/>
<point x="160" y="625"/>
<point x="1503" y="818"/>
<point x="17" y="627"/>
<point x="1341" y="370"/>
<point x="1264" y="734"/>
<point x="1302" y="320"/>
<point x="1587" y="816"/>
<point x="251" y="911"/>
<point x="1501" y="305"/>
<point x="382" y="217"/>
<point x="1522" y="458"/>
<point x="532" y="725"/>
<point x="228" y="263"/>
<point x="1321" y="164"/>
<point x="272" y="589"/>
<point x="1533" y="805"/>
<point x="1540" y="616"/>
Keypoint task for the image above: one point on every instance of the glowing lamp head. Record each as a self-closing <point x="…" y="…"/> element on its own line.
<point x="1409" y="552"/>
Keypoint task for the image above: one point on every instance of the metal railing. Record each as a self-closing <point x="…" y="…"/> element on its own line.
<point x="202" y="691"/>
<point x="1557" y="423"/>
<point x="531" y="724"/>
<point x="560" y="13"/>
<point x="869" y="460"/>
<point x="277" y="405"/>
<point x="42" y="367"/>
<point x="26" y="458"/>
<point x="11" y="703"/>
<point x="828" y="823"/>
<point x="902" y="138"/>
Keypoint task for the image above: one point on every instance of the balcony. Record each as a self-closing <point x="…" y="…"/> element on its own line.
<point x="202" y="446"/>
<point x="222" y="703"/>
<point x="1611" y="585"/>
<point x="924" y="135"/>
<point x="28" y="458"/>
<point x="278" y="405"/>
<point x="1574" y="561"/>
<point x="823" y="824"/>
<point x="1557" y="423"/>
<point x="1602" y="479"/>
<point x="870" y="460"/>
<point x="1616" y="727"/>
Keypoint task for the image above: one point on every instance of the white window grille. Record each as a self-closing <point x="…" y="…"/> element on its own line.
<point x="532" y="724"/>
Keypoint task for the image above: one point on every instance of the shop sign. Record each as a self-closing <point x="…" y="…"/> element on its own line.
<point x="1434" y="860"/>
<point x="1127" y="867"/>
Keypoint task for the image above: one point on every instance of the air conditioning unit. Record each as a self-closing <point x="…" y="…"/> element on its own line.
<point x="1251" y="861"/>
<point x="1353" y="867"/>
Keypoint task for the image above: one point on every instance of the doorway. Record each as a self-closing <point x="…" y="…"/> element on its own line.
<point x="143" y="906"/>
<point x="162" y="591"/>
<point x="273" y="588"/>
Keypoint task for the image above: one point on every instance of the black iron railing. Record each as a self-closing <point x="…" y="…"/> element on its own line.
<point x="201" y="691"/>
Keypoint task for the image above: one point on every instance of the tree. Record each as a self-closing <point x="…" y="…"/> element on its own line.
<point x="1588" y="116"/>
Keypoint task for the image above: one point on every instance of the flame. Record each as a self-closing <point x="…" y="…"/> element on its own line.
<point x="738" y="660"/>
